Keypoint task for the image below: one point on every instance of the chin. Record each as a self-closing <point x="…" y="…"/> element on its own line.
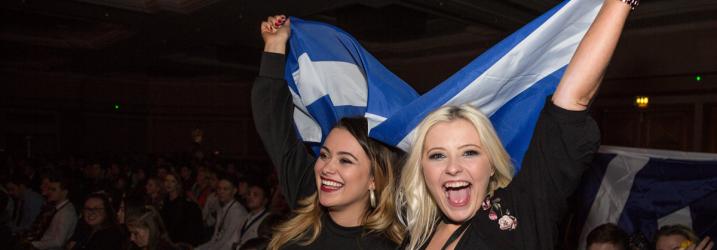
<point x="458" y="215"/>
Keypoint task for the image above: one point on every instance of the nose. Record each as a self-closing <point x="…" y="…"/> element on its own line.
<point x="453" y="168"/>
<point x="328" y="168"/>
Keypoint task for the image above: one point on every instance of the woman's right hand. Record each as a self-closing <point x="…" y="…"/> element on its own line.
<point x="275" y="32"/>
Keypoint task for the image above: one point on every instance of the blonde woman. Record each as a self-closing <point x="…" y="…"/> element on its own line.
<point x="457" y="185"/>
<point x="345" y="198"/>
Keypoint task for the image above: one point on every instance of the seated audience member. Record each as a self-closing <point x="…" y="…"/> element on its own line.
<point x="607" y="237"/>
<point x="147" y="232"/>
<point x="210" y="204"/>
<point x="27" y="204"/>
<point x="674" y="237"/>
<point x="98" y="228"/>
<point x="154" y="192"/>
<point x="63" y="219"/>
<point x="257" y="201"/>
<point x="230" y="216"/>
<point x="182" y="217"/>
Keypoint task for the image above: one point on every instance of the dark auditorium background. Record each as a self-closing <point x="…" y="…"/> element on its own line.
<point x="131" y="76"/>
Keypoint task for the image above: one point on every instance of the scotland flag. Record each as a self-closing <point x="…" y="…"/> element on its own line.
<point x="641" y="190"/>
<point x="331" y="76"/>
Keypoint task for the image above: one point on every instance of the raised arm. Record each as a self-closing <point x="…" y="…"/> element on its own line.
<point x="273" y="112"/>
<point x="587" y="67"/>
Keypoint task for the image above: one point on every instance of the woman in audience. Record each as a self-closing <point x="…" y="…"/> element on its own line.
<point x="98" y="228"/>
<point x="147" y="231"/>
<point x="182" y="217"/>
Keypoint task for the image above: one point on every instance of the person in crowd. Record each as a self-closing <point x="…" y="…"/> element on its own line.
<point x="607" y="237"/>
<point x="182" y="217"/>
<point x="680" y="237"/>
<point x="203" y="186"/>
<point x="99" y="228"/>
<point x="147" y="231"/>
<point x="56" y="228"/>
<point x="346" y="200"/>
<point x="187" y="176"/>
<point x="231" y="215"/>
<point x="6" y="209"/>
<point x="210" y="203"/>
<point x="162" y="171"/>
<point x="257" y="201"/>
<point x="27" y="204"/>
<point x="154" y="191"/>
<point x="95" y="178"/>
<point x="458" y="186"/>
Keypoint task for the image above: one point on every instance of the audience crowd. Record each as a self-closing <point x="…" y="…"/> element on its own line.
<point x="149" y="202"/>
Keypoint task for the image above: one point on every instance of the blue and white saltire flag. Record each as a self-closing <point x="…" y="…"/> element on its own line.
<point x="641" y="190"/>
<point x="509" y="82"/>
<point x="331" y="76"/>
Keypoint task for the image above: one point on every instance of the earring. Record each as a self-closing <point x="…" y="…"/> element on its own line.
<point x="372" y="198"/>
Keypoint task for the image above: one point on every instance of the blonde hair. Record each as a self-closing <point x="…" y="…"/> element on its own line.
<point x="305" y="226"/>
<point x="420" y="213"/>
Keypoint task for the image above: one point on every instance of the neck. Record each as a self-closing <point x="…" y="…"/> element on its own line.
<point x="224" y="203"/>
<point x="348" y="216"/>
<point x="256" y="210"/>
<point x="173" y="195"/>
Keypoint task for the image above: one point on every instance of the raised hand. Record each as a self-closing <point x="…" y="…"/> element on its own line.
<point x="275" y="31"/>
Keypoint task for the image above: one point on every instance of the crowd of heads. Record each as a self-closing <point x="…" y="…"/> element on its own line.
<point x="126" y="196"/>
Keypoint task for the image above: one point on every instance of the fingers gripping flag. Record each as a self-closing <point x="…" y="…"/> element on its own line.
<point x="332" y="76"/>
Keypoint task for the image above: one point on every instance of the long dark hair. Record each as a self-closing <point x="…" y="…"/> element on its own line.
<point x="305" y="226"/>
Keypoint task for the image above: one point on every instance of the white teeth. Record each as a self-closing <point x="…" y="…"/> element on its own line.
<point x="331" y="183"/>
<point x="456" y="184"/>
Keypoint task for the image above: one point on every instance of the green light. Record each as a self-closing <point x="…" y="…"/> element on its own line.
<point x="698" y="78"/>
<point x="116" y="106"/>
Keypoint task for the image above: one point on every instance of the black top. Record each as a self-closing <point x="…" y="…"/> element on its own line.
<point x="535" y="202"/>
<point x="334" y="236"/>
<point x="106" y="238"/>
<point x="183" y="219"/>
<point x="273" y="109"/>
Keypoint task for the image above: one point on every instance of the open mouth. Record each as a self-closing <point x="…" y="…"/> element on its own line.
<point x="328" y="185"/>
<point x="457" y="192"/>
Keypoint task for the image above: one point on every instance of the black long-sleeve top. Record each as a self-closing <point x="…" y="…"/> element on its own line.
<point x="273" y="110"/>
<point x="560" y="151"/>
<point x="183" y="219"/>
<point x="109" y="238"/>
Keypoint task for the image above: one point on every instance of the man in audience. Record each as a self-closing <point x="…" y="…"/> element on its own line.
<point x="229" y="218"/>
<point x="607" y="237"/>
<point x="257" y="201"/>
<point x="27" y="204"/>
<point x="64" y="217"/>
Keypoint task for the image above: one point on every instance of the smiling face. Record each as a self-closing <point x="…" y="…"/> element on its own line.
<point x="342" y="172"/>
<point x="456" y="169"/>
<point x="94" y="212"/>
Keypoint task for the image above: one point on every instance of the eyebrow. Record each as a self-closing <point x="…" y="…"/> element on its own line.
<point x="463" y="146"/>
<point x="340" y="153"/>
<point x="469" y="145"/>
<point x="349" y="154"/>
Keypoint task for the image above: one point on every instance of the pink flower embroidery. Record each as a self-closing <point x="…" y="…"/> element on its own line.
<point x="508" y="222"/>
<point x="492" y="215"/>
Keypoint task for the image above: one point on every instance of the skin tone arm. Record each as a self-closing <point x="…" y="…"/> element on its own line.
<point x="275" y="32"/>
<point x="587" y="67"/>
